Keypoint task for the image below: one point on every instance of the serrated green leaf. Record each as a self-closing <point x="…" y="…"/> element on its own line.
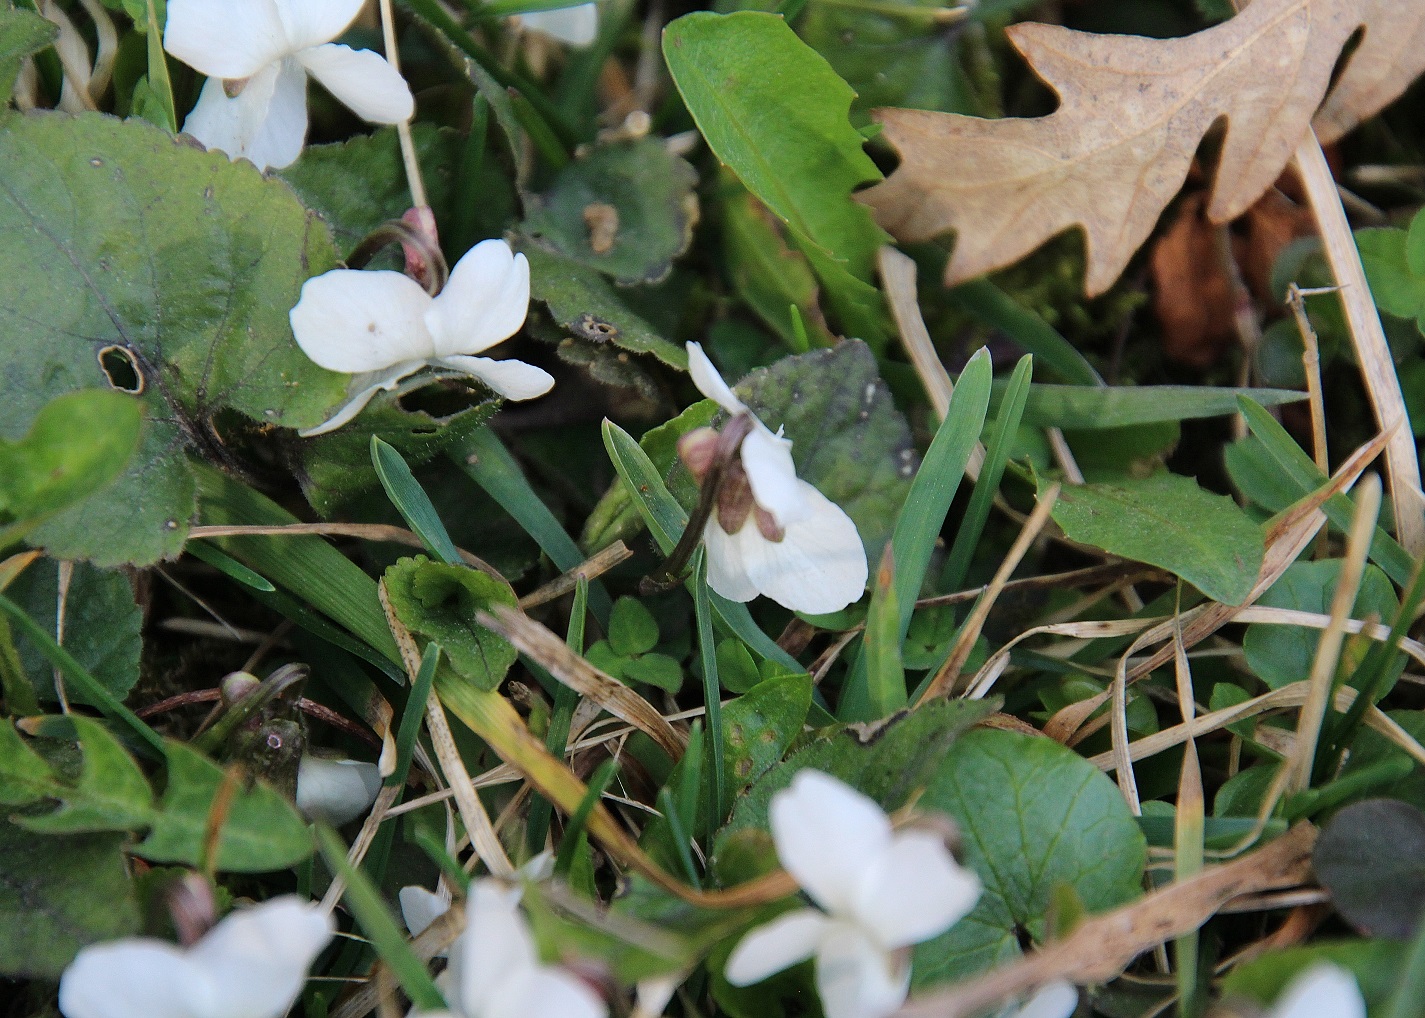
<point x="174" y="267"/>
<point x="1166" y="520"/>
<point x="102" y="628"/>
<point x="58" y="895"/>
<point x="24" y="775"/>
<point x="261" y="832"/>
<point x="439" y="602"/>
<point x="1033" y="815"/>
<point x="626" y="209"/>
<point x="582" y="302"/>
<point x="775" y="112"/>
<point x="358" y="184"/>
<point x="111" y="794"/>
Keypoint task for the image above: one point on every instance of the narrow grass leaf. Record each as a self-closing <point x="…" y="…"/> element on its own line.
<point x="574" y="832"/>
<point x="989" y="305"/>
<point x="712" y="696"/>
<point x="381" y="926"/>
<point x="412" y="502"/>
<point x="881" y="650"/>
<point x="229" y="566"/>
<point x="1006" y="427"/>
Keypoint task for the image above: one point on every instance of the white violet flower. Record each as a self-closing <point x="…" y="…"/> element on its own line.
<point x="495" y="971"/>
<point x="1322" y="991"/>
<point x="880" y="891"/>
<point x="773" y="533"/>
<point x="1057" y="999"/>
<point x="250" y="965"/>
<point x="382" y="326"/>
<point x="257" y="55"/>
<point x="574" y="26"/>
<point x="335" y="791"/>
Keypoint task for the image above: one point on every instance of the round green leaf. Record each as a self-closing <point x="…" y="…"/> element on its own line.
<point x="439" y="602"/>
<point x="130" y="259"/>
<point x="1370" y="858"/>
<point x="1033" y="816"/>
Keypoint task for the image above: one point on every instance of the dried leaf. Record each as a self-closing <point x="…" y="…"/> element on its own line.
<point x="1390" y="57"/>
<point x="1133" y="113"/>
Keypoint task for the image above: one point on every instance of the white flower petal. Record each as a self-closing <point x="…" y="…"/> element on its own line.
<point x="1054" y="1000"/>
<point x="512" y="379"/>
<point x="780" y="944"/>
<point x="855" y="978"/>
<point x="279" y="137"/>
<point x="350" y="320"/>
<point x="233" y="39"/>
<point x="575" y="26"/>
<point x="772" y="476"/>
<point x="545" y="992"/>
<point x="365" y="386"/>
<point x="709" y="382"/>
<point x="363" y="80"/>
<point x="313" y="22"/>
<point x="257" y="958"/>
<point x="495" y="947"/>
<point x="1322" y="991"/>
<point x="335" y="791"/>
<point x="726" y="573"/>
<point x="826" y="832"/>
<point x="420" y="908"/>
<point x="135" y="978"/>
<point x="819" y="565"/>
<point x="484" y="301"/>
<point x="914" y="890"/>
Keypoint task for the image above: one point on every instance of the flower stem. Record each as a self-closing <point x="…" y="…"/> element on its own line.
<point x="403" y="129"/>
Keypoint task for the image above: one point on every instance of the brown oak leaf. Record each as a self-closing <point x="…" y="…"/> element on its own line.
<point x="1132" y="113"/>
<point x="1391" y="55"/>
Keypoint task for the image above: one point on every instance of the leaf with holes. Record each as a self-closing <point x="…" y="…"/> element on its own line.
<point x="130" y="259"/>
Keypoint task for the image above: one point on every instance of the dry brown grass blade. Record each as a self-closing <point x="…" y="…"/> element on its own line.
<point x="1391" y="55"/>
<point x="569" y="668"/>
<point x="361" y="531"/>
<point x="589" y="569"/>
<point x="1102" y="946"/>
<point x="1286" y="697"/>
<point x="1132" y="113"/>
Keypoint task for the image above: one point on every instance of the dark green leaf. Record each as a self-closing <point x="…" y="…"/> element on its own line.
<point x="848" y="438"/>
<point x="1280" y="655"/>
<point x="626" y="209"/>
<point x="58" y="895"/>
<point x="583" y="302"/>
<point x="101" y="627"/>
<point x="775" y="112"/>
<point x="439" y="602"/>
<point x="1167" y="520"/>
<point x="1033" y="815"/>
<point x="1370" y="858"/>
<point x="262" y="831"/>
<point x="130" y="256"/>
<point x="111" y="794"/>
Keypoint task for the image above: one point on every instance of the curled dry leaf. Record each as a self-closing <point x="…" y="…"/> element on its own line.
<point x="1132" y="114"/>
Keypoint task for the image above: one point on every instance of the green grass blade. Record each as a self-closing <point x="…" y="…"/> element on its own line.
<point x="881" y="647"/>
<point x="412" y="502"/>
<point x="921" y="519"/>
<point x="574" y="831"/>
<point x="307" y="566"/>
<point x="1298" y="468"/>
<point x="1011" y="412"/>
<point x="989" y="305"/>
<point x="666" y="520"/>
<point x="385" y="933"/>
<point x="228" y="566"/>
<point x="489" y="464"/>
<point x="158" y="80"/>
